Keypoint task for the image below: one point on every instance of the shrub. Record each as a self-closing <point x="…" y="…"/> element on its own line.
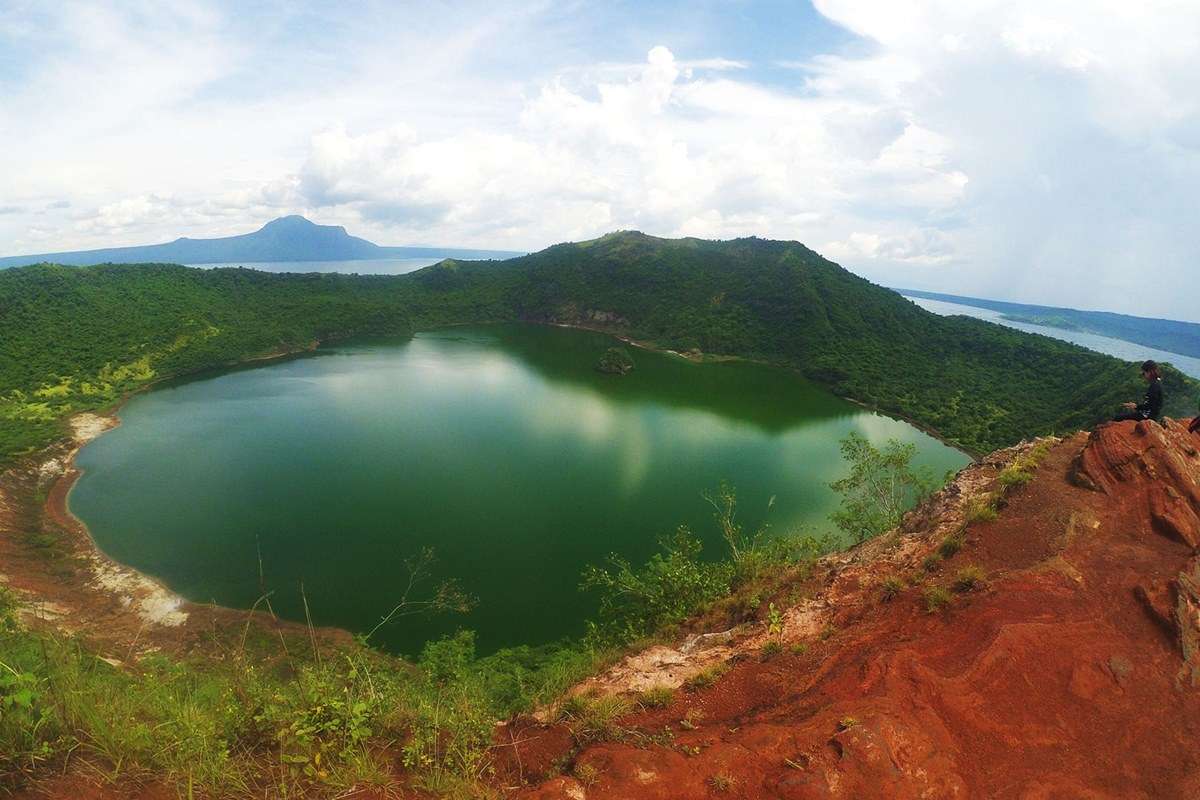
<point x="586" y="774"/>
<point x="932" y="562"/>
<point x="881" y="486"/>
<point x="721" y="782"/>
<point x="1014" y="475"/>
<point x="936" y="598"/>
<point x="772" y="648"/>
<point x="981" y="508"/>
<point x="593" y="719"/>
<point x="674" y="584"/>
<point x="890" y="588"/>
<point x="949" y="546"/>
<point x="967" y="579"/>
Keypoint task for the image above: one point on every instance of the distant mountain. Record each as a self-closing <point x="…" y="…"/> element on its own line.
<point x="1163" y="334"/>
<point x="291" y="238"/>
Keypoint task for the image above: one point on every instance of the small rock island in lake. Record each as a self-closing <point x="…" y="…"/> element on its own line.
<point x="615" y="361"/>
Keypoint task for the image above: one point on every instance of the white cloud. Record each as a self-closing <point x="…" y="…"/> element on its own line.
<point x="1045" y="151"/>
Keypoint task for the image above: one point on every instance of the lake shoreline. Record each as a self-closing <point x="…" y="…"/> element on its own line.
<point x="698" y="357"/>
<point x="53" y="563"/>
<point x="120" y="583"/>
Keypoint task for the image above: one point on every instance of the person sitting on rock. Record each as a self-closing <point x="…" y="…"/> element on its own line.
<point x="1152" y="403"/>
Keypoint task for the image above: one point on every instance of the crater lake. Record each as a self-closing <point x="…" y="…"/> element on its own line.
<point x="501" y="447"/>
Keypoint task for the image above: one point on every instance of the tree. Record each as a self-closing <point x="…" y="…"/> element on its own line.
<point x="881" y="486"/>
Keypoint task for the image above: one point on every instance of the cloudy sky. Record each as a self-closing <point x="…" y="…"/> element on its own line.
<point x="1021" y="149"/>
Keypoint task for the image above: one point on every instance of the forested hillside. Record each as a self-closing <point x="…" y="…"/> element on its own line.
<point x="80" y="337"/>
<point x="980" y="385"/>
<point x="74" y="338"/>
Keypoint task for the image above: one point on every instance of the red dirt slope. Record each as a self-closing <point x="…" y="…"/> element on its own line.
<point x="1073" y="671"/>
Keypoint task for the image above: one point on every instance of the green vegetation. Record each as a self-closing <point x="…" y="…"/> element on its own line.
<point x="881" y="486"/>
<point x="615" y="361"/>
<point x="1022" y="469"/>
<point x="890" y="589"/>
<point x="981" y="508"/>
<point x="657" y="697"/>
<point x="967" y="579"/>
<point x="80" y="338"/>
<point x="705" y="677"/>
<point x="937" y="598"/>
<point x="677" y="583"/>
<point x="950" y="545"/>
<point x="73" y="338"/>
<point x="592" y="719"/>
<point x="270" y="718"/>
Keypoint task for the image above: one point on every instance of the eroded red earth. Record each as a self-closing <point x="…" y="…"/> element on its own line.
<point x="1072" y="672"/>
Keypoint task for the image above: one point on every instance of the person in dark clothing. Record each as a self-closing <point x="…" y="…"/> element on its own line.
<point x="1152" y="403"/>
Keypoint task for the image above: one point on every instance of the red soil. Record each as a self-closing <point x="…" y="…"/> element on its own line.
<point x="1073" y="672"/>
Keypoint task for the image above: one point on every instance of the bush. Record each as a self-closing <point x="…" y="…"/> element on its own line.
<point x="968" y="579"/>
<point x="671" y="586"/>
<point x="981" y="508"/>
<point x="936" y="598"/>
<point x="881" y="486"/>
<point x="949" y="546"/>
<point x="592" y="719"/>
<point x="890" y="588"/>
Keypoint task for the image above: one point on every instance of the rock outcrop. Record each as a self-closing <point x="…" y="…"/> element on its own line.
<point x="1069" y="668"/>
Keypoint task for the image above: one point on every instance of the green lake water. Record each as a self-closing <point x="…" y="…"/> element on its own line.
<point x="499" y="446"/>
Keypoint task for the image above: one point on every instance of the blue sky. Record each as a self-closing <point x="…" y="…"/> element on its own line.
<point x="1035" y="151"/>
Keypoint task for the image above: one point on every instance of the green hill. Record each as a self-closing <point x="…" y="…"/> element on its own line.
<point x="79" y="338"/>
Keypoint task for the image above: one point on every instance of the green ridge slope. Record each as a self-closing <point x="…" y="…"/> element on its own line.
<point x="77" y="338"/>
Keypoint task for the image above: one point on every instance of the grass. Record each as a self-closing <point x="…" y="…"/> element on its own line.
<point x="657" y="697"/>
<point x="949" y="546"/>
<point x="932" y="562"/>
<point x="586" y="774"/>
<point x="846" y="723"/>
<point x="937" y="598"/>
<point x="594" y="719"/>
<point x="1024" y="467"/>
<point x="890" y="589"/>
<point x="772" y="648"/>
<point x="721" y="782"/>
<point x="981" y="508"/>
<point x="706" y="677"/>
<point x="268" y="719"/>
<point x="967" y="579"/>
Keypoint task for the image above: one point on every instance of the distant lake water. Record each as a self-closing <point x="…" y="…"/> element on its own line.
<point x="500" y="446"/>
<point x="1120" y="348"/>
<point x="376" y="266"/>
